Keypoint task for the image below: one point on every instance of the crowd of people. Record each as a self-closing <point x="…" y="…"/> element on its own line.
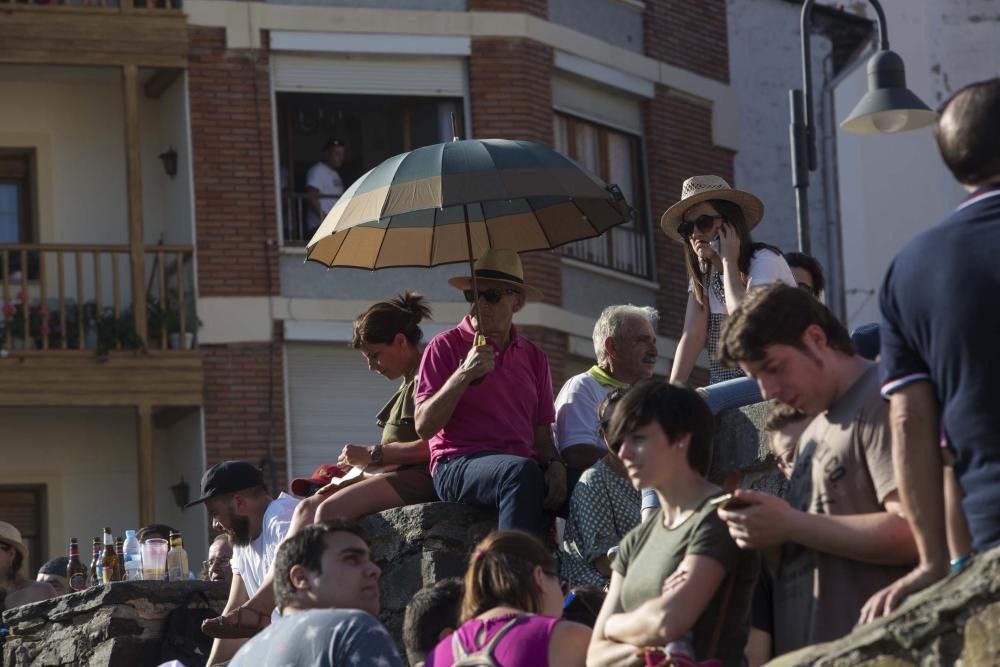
<point x="613" y="546"/>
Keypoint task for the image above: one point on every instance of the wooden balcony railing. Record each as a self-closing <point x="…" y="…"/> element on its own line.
<point x="78" y="297"/>
<point x="106" y="6"/>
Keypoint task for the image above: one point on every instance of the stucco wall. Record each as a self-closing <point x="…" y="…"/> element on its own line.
<point x="894" y="186"/>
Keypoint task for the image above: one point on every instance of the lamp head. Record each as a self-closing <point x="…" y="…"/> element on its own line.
<point x="888" y="106"/>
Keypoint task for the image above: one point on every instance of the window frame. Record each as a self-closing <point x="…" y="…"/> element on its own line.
<point x="638" y="198"/>
<point x="24" y="176"/>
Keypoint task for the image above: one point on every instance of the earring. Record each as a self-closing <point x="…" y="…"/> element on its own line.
<point x="680" y="445"/>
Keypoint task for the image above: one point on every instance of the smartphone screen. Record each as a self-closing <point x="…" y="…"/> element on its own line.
<point x="728" y="501"/>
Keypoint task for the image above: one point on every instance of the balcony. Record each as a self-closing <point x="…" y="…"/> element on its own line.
<point x="145" y="33"/>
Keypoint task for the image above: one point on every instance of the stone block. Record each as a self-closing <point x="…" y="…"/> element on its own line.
<point x="118" y="625"/>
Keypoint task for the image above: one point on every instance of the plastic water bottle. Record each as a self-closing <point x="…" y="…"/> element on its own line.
<point x="133" y="557"/>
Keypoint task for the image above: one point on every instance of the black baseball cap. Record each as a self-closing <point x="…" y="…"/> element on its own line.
<point x="228" y="477"/>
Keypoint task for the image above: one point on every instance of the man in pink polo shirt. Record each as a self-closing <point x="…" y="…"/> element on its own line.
<point x="487" y="411"/>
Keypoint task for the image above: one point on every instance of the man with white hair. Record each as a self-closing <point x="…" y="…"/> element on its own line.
<point x="625" y="347"/>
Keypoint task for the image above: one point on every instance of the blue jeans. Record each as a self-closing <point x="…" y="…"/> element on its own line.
<point x="720" y="397"/>
<point x="512" y="486"/>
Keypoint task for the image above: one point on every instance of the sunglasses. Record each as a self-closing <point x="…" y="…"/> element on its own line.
<point x="809" y="288"/>
<point x="704" y="223"/>
<point x="492" y="295"/>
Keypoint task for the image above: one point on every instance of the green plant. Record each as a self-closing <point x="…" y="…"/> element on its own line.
<point x="35" y="321"/>
<point x="113" y="332"/>
<point x="166" y="315"/>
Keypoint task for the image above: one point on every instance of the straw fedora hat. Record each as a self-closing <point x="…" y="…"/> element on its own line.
<point x="502" y="266"/>
<point x="703" y="188"/>
<point x="11" y="536"/>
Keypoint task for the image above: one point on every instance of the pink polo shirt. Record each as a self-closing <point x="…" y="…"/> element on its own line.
<point x="499" y="415"/>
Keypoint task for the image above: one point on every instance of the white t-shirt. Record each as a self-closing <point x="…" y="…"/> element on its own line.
<point x="766" y="266"/>
<point x="577" y="421"/>
<point x="328" y="182"/>
<point x="253" y="562"/>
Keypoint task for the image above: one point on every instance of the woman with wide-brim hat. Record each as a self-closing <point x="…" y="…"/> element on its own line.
<point x="15" y="588"/>
<point x="712" y="221"/>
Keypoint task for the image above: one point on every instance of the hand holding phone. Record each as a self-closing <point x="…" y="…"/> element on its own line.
<point x="729" y="501"/>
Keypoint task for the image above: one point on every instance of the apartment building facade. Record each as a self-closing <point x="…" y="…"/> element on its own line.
<point x="637" y="91"/>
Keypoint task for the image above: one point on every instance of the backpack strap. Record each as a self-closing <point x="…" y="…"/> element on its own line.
<point x="458" y="650"/>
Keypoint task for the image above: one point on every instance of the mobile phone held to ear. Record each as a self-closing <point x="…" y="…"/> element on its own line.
<point x="716" y="244"/>
<point x="728" y="501"/>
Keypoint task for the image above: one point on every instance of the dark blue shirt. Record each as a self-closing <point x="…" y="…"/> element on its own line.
<point x="940" y="307"/>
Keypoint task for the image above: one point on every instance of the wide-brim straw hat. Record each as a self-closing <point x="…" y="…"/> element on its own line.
<point x="501" y="266"/>
<point x="704" y="188"/>
<point x="12" y="536"/>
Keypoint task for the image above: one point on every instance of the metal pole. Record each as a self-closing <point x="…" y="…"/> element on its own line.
<point x="800" y="169"/>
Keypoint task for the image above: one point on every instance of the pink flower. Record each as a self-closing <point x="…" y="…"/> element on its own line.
<point x="9" y="309"/>
<point x="45" y="328"/>
<point x="22" y="296"/>
<point x="43" y="311"/>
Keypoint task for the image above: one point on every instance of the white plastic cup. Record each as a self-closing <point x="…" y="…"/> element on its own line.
<point x="154" y="559"/>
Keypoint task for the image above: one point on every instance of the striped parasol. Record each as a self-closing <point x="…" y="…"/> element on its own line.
<point x="451" y="202"/>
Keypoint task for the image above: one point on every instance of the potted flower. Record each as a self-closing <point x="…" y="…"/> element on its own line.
<point x="35" y="324"/>
<point x="166" y="315"/>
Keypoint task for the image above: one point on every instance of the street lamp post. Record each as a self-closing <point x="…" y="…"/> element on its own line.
<point x="888" y="107"/>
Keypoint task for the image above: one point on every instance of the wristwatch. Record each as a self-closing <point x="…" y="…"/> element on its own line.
<point x="375" y="453"/>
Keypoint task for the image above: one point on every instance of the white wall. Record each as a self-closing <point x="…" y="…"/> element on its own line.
<point x="166" y="201"/>
<point x="177" y="454"/>
<point x="74" y="116"/>
<point x="894" y="186"/>
<point x="764" y="64"/>
<point x="87" y="459"/>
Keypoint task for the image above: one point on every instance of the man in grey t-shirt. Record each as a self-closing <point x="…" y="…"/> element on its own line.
<point x="326" y="587"/>
<point x="841" y="530"/>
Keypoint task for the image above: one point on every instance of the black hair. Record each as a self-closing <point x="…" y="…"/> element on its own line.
<point x="584" y="605"/>
<point x="968" y="132"/>
<point x="809" y="264"/>
<point x="605" y="411"/>
<point x="678" y="409"/>
<point x="430" y="611"/>
<point x="154" y="530"/>
<point x="304" y="548"/>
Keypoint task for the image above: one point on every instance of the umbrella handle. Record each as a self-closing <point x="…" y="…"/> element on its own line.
<point x="479" y="339"/>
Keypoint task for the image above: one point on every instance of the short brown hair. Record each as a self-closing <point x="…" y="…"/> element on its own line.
<point x="781" y="415"/>
<point x="501" y="573"/>
<point x="679" y="410"/>
<point x="777" y="314"/>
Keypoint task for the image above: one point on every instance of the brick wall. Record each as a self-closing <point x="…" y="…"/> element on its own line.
<point x="688" y="34"/>
<point x="538" y="8"/>
<point x="241" y="413"/>
<point x="510" y="85"/>
<point x="678" y="145"/>
<point x="233" y="168"/>
<point x="237" y="254"/>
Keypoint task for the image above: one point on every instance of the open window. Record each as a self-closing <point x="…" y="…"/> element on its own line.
<point x="371" y="128"/>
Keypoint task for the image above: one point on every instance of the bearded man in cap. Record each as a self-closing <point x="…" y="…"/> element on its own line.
<point x="486" y="410"/>
<point x="239" y="505"/>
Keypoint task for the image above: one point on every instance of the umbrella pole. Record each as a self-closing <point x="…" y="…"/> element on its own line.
<point x="472" y="269"/>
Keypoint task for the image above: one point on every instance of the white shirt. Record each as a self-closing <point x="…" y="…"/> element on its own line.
<point x="328" y="182"/>
<point x="255" y="561"/>
<point x="766" y="266"/>
<point x="577" y="421"/>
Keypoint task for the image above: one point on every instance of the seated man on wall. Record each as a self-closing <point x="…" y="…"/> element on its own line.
<point x="486" y="410"/>
<point x="625" y="347"/>
<point x="239" y="504"/>
<point x="326" y="587"/>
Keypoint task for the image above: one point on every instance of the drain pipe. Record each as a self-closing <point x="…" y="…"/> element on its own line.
<point x="836" y="289"/>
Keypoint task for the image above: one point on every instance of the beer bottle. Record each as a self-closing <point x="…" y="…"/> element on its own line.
<point x="76" y="572"/>
<point x="120" y="555"/>
<point x="177" y="559"/>
<point x="95" y="563"/>
<point x="109" y="561"/>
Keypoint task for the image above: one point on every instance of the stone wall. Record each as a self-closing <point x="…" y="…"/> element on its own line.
<point x="955" y="623"/>
<point x="117" y="625"/>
